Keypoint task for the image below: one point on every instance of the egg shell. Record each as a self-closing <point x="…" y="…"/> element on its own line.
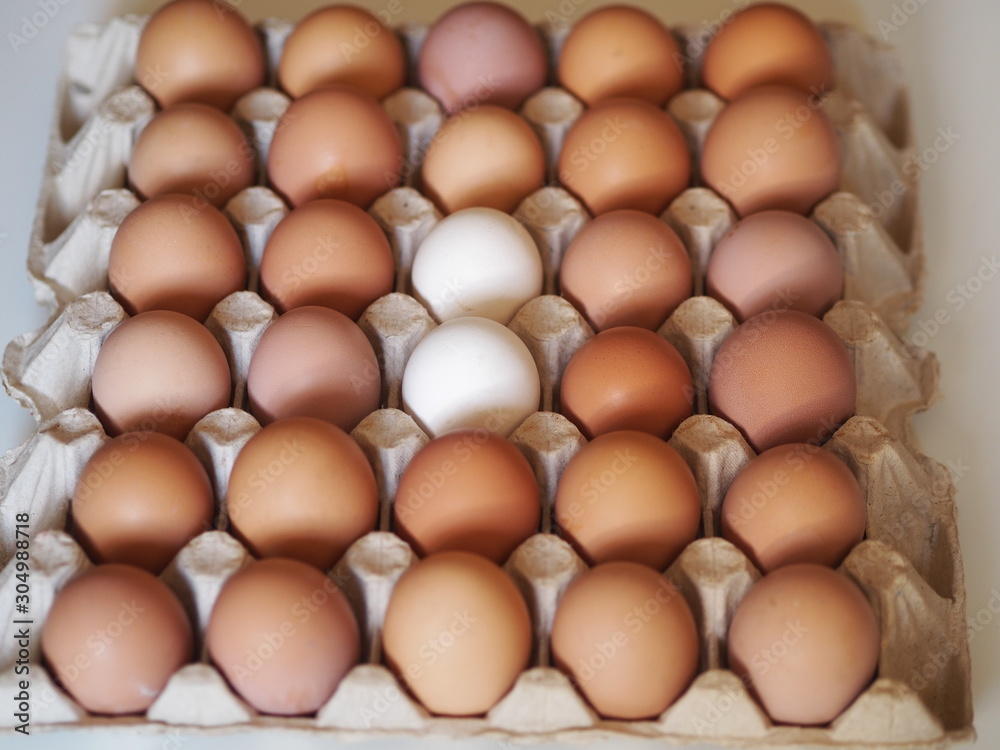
<point x="114" y="636"/>
<point x="314" y="362"/>
<point x="775" y="260"/>
<point x="481" y="53"/>
<point x="767" y="43"/>
<point x="199" y="51"/>
<point x="342" y="45"/>
<point x="628" y="639"/>
<point x="284" y="636"/>
<point x="467" y="490"/>
<point x="772" y="148"/>
<point x="192" y="149"/>
<point x="626" y="268"/>
<point x="783" y="377"/>
<point x="477" y="262"/>
<point x="457" y="632"/>
<point x="335" y="142"/>
<point x="625" y="153"/>
<point x="627" y="378"/>
<point x="329" y="253"/>
<point x="140" y="498"/>
<point x="806" y="639"/>
<point x="470" y="373"/>
<point x="301" y="488"/>
<point x="794" y="503"/>
<point x="619" y="51"/>
<point x="628" y="495"/>
<point x="159" y="371"/>
<point x="487" y="157"/>
<point x="175" y="252"/>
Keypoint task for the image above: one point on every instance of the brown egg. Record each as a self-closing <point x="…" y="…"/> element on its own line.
<point x="328" y="253"/>
<point x="783" y="377"/>
<point x="775" y="260"/>
<point x="284" y="636"/>
<point x="625" y="153"/>
<point x="468" y="490"/>
<point x="192" y="149"/>
<point x="314" y="362"/>
<point x="807" y="641"/>
<point x="140" y="498"/>
<point x="175" y="252"/>
<point x="199" y="51"/>
<point x="302" y="488"/>
<point x="767" y="43"/>
<point x="772" y="148"/>
<point x="626" y="268"/>
<point x="342" y="44"/>
<point x="479" y="53"/>
<point x="620" y="51"/>
<point x="627" y="378"/>
<point x="794" y="503"/>
<point x="628" y="495"/>
<point x="488" y="157"/>
<point x="160" y="371"/>
<point x="457" y="632"/>
<point x="335" y="143"/>
<point x="114" y="636"/>
<point x="626" y="636"/>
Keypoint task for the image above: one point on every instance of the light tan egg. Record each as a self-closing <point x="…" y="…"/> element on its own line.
<point x="627" y="638"/>
<point x="114" y="636"/>
<point x="467" y="490"/>
<point x="199" y="51"/>
<point x="628" y="495"/>
<point x="457" y="632"/>
<point x="284" y="635"/>
<point x="345" y="45"/>
<point x="192" y="149"/>
<point x="139" y="499"/>
<point x="302" y="488"/>
<point x="806" y="640"/>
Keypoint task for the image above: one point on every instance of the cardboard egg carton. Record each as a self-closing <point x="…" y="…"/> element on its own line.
<point x="100" y="112"/>
<point x="909" y="565"/>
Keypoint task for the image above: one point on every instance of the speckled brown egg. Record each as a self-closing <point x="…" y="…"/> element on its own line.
<point x="773" y="147"/>
<point x="783" y="377"/>
<point x="626" y="268"/>
<point x="482" y="53"/>
<point x="139" y="499"/>
<point x="794" y="503"/>
<point x="342" y="44"/>
<point x="199" y="51"/>
<point x="114" y="636"/>
<point x="159" y="371"/>
<point x="488" y="157"/>
<point x="775" y="260"/>
<point x="619" y="51"/>
<point x="192" y="149"/>
<point x="328" y="253"/>
<point x="625" y="153"/>
<point x="627" y="378"/>
<point x="806" y="640"/>
<point x="314" y="362"/>
<point x="767" y="43"/>
<point x="335" y="142"/>
<point x="175" y="252"/>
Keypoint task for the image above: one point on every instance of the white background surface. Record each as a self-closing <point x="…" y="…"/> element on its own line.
<point x="952" y="55"/>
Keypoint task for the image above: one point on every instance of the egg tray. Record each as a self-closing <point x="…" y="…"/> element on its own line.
<point x="100" y="112"/>
<point x="909" y="565"/>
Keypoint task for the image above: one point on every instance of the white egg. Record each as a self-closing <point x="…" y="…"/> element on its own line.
<point x="479" y="262"/>
<point x="470" y="373"/>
